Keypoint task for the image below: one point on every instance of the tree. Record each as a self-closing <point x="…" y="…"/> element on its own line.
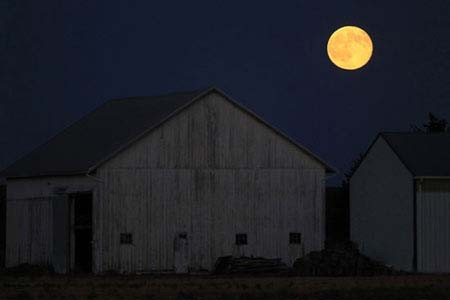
<point x="355" y="164"/>
<point x="434" y="125"/>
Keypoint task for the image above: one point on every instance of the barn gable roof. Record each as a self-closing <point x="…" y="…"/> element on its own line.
<point x="423" y="154"/>
<point x="112" y="127"/>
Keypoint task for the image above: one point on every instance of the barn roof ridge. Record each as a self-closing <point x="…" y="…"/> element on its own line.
<point x="61" y="155"/>
<point x="157" y="97"/>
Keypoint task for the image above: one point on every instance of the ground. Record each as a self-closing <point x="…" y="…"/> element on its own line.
<point x="55" y="287"/>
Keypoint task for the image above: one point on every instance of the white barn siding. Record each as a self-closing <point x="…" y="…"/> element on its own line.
<point x="433" y="225"/>
<point x="29" y="227"/>
<point x="381" y="207"/>
<point x="29" y="221"/>
<point x="212" y="171"/>
<point x="40" y="187"/>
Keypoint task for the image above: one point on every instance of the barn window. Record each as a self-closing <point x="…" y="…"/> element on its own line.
<point x="126" y="238"/>
<point x="295" y="238"/>
<point x="241" y="239"/>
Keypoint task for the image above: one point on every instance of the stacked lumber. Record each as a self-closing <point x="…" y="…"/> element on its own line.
<point x="248" y="265"/>
<point x="341" y="260"/>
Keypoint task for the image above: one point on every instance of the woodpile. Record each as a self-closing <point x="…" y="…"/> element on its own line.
<point x="343" y="259"/>
<point x="248" y="265"/>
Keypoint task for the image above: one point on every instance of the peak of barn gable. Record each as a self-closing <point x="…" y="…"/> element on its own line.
<point x="213" y="131"/>
<point x="118" y="125"/>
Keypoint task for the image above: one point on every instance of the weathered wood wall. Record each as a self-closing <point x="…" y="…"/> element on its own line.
<point x="212" y="171"/>
<point x="433" y="225"/>
<point x="29" y="228"/>
<point x="29" y="222"/>
<point x="2" y="223"/>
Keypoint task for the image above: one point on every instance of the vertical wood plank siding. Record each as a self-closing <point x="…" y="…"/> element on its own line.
<point x="212" y="171"/>
<point x="29" y="232"/>
<point x="433" y="226"/>
<point x="29" y="221"/>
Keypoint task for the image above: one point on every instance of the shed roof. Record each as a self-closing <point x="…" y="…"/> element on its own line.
<point x="424" y="154"/>
<point x="107" y="130"/>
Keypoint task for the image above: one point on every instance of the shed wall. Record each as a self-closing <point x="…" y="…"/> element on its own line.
<point x="433" y="225"/>
<point x="381" y="207"/>
<point x="29" y="231"/>
<point x="212" y="171"/>
<point x="2" y="223"/>
<point x="38" y="187"/>
<point x="29" y="222"/>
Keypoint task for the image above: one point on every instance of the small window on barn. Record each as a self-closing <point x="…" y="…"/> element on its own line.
<point x="295" y="238"/>
<point x="241" y="239"/>
<point x="126" y="238"/>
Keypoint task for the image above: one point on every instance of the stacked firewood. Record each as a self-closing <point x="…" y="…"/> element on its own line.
<point x="340" y="260"/>
<point x="246" y="265"/>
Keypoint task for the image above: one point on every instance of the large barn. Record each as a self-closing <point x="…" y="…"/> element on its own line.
<point x="400" y="201"/>
<point x="166" y="183"/>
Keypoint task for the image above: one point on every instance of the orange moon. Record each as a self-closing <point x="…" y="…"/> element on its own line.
<point x="350" y="48"/>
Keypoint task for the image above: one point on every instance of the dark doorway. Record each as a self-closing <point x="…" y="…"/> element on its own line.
<point x="82" y="230"/>
<point x="337" y="215"/>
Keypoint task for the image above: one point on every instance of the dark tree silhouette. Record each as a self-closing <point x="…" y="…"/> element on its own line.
<point x="433" y="125"/>
<point x="355" y="164"/>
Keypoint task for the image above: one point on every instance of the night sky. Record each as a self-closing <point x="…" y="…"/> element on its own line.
<point x="61" y="59"/>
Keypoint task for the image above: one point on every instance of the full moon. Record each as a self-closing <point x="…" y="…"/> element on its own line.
<point x="350" y="48"/>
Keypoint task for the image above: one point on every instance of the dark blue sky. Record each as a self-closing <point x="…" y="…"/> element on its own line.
<point x="61" y="59"/>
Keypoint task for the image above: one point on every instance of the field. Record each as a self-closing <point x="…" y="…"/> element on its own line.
<point x="433" y="287"/>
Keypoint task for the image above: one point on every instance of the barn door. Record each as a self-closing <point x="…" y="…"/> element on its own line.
<point x="181" y="253"/>
<point x="60" y="257"/>
<point x="82" y="231"/>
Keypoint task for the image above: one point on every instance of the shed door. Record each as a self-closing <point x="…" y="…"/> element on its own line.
<point x="2" y="225"/>
<point x="61" y="234"/>
<point x="433" y="226"/>
<point x="82" y="230"/>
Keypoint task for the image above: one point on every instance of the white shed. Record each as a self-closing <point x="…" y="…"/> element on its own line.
<point x="400" y="201"/>
<point x="166" y="183"/>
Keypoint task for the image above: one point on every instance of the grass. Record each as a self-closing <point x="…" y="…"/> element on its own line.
<point x="55" y="287"/>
